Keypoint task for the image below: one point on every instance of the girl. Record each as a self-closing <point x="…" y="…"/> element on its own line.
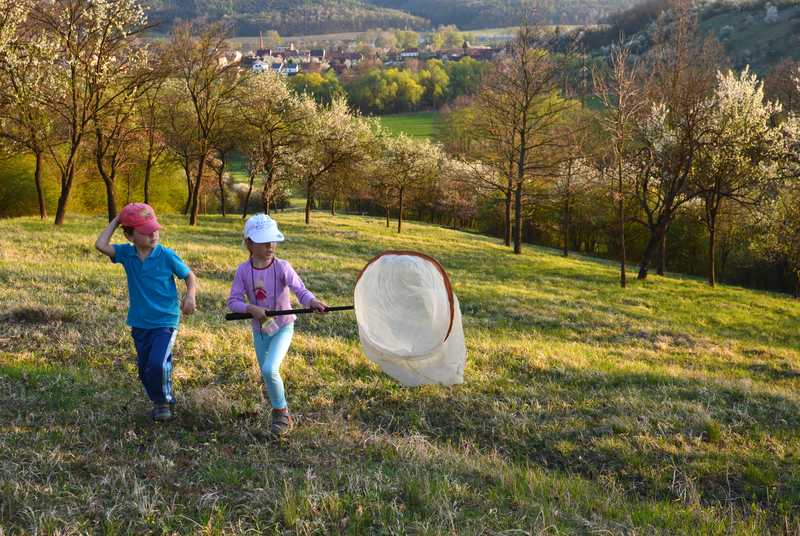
<point x="266" y="281"/>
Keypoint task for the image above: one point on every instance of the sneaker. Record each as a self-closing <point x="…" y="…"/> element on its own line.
<point x="161" y="412"/>
<point x="282" y="422"/>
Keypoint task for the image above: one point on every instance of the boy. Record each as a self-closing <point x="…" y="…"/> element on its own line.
<point x="154" y="311"/>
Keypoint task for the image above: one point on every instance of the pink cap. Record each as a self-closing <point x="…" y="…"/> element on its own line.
<point x="141" y="217"/>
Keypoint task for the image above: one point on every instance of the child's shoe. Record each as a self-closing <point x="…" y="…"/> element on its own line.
<point x="161" y="412"/>
<point x="282" y="422"/>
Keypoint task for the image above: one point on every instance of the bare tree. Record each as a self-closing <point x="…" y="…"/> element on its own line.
<point x="150" y="109"/>
<point x="520" y="109"/>
<point x="113" y="132"/>
<point x="624" y="103"/>
<point x="211" y="87"/>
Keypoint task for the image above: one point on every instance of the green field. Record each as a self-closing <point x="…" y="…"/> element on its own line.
<point x="665" y="408"/>
<point x="419" y="125"/>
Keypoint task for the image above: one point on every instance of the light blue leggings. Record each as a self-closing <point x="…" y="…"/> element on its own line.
<point x="270" y="351"/>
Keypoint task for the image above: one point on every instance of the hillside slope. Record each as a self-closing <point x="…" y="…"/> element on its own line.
<point x="301" y="17"/>
<point x="748" y="35"/>
<point x="479" y="14"/>
<point x="309" y="17"/>
<point x="665" y="408"/>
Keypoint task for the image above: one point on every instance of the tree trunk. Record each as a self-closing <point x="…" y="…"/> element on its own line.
<point x="247" y="198"/>
<point x="108" y="179"/>
<point x="309" y="201"/>
<point x="333" y="206"/>
<point x="648" y="254"/>
<point x="111" y="199"/>
<point x="623" y="278"/>
<point x="722" y="266"/>
<point x="796" y="286"/>
<point x="67" y="181"/>
<point x="662" y="254"/>
<point x="507" y="221"/>
<point x="268" y="187"/>
<point x="566" y="227"/>
<point x="148" y="166"/>
<point x="222" y="191"/>
<point x="190" y="187"/>
<point x="387" y="216"/>
<point x="400" y="213"/>
<point x="37" y="177"/>
<point x="196" y="194"/>
<point x="712" y="246"/>
<point x="518" y="219"/>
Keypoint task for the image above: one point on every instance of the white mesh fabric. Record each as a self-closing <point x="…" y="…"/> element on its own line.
<point x="403" y="310"/>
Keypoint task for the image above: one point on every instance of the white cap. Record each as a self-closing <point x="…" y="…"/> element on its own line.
<point x="261" y="229"/>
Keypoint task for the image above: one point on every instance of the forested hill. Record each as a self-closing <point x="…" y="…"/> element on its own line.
<point x="289" y="17"/>
<point x="479" y="14"/>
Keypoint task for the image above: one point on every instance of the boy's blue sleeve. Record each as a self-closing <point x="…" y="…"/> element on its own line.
<point x="119" y="251"/>
<point x="179" y="268"/>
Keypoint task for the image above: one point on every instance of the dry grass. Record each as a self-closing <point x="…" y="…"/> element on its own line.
<point x="665" y="408"/>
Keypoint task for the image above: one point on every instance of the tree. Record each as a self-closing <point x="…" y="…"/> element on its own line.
<point x="272" y="118"/>
<point x="323" y="88"/>
<point x="113" y="133"/>
<point x="86" y="49"/>
<point x="434" y="40"/>
<point x="177" y="125"/>
<point x="150" y="112"/>
<point x="682" y="76"/>
<point x="624" y="103"/>
<point x="734" y="160"/>
<point x="210" y="87"/>
<point x="521" y="109"/>
<point x="333" y="137"/>
<point x="780" y="84"/>
<point x="407" y="166"/>
<point x="25" y="127"/>
<point x="779" y="228"/>
<point x="434" y="81"/>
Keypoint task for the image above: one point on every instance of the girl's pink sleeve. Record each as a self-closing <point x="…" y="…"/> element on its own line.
<point x="293" y="281"/>
<point x="236" y="301"/>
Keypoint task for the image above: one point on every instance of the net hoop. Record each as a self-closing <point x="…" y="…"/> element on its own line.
<point x="438" y="266"/>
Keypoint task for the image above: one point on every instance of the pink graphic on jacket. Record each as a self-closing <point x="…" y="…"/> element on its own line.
<point x="259" y="291"/>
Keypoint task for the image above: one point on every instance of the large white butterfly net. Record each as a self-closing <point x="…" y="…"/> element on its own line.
<point x="409" y="319"/>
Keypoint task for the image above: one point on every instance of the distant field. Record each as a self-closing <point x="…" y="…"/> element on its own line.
<point x="415" y="125"/>
<point x="238" y="169"/>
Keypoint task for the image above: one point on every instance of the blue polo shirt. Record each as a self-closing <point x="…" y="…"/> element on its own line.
<point x="151" y="286"/>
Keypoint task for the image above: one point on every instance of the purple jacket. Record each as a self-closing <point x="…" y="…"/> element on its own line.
<point x="268" y="288"/>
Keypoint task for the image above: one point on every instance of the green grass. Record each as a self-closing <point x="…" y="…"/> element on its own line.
<point x="665" y="408"/>
<point x="237" y="167"/>
<point x="419" y="125"/>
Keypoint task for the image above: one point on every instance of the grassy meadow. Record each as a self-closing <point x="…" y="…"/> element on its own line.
<point x="417" y="125"/>
<point x="665" y="408"/>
